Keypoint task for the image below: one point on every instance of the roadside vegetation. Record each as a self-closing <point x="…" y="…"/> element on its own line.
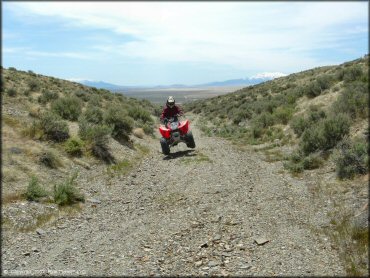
<point x="315" y="119"/>
<point x="313" y="111"/>
<point x="51" y="123"/>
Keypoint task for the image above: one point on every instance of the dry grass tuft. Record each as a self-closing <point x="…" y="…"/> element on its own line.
<point x="34" y="111"/>
<point x="139" y="133"/>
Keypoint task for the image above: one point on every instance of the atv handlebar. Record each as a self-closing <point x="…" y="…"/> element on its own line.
<point x="172" y="119"/>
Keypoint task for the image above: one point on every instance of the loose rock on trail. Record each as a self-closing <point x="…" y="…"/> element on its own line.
<point x="213" y="210"/>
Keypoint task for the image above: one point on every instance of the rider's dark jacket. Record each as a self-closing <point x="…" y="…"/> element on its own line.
<point x="171" y="112"/>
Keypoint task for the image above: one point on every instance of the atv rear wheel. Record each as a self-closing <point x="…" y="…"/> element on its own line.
<point x="165" y="146"/>
<point x="190" y="140"/>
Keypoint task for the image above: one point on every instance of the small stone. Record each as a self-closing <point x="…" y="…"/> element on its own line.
<point x="241" y="246"/>
<point x="195" y="224"/>
<point x="27" y="254"/>
<point x="261" y="240"/>
<point x="204" y="245"/>
<point x="217" y="237"/>
<point x="94" y="201"/>
<point x="217" y="219"/>
<point x="213" y="263"/>
<point x="228" y="248"/>
<point x="15" y="150"/>
<point x="40" y="232"/>
<point x="34" y="249"/>
<point x="198" y="263"/>
<point x="246" y="267"/>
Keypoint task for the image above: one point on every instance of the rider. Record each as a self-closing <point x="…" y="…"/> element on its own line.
<point x="170" y="110"/>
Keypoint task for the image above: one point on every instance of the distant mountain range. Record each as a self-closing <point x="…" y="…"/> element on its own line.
<point x="232" y="82"/>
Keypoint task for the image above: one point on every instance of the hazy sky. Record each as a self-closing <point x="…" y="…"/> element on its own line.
<point x="152" y="43"/>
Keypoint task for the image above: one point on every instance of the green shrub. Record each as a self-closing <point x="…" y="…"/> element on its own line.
<point x="27" y="92"/>
<point x="257" y="132"/>
<point x="315" y="114"/>
<point x="138" y="113"/>
<point x="315" y="88"/>
<point x="122" y="124"/>
<point x="53" y="127"/>
<point x="299" y="125"/>
<point x="263" y="120"/>
<point x="47" y="96"/>
<point x="85" y="96"/>
<point x="296" y="157"/>
<point x="34" y="190"/>
<point x="298" y="162"/>
<point x="312" y="90"/>
<point x="283" y="114"/>
<point x="294" y="168"/>
<point x="351" y="158"/>
<point x="241" y="114"/>
<point x="273" y="133"/>
<point x="295" y="162"/>
<point x="312" y="139"/>
<point x="66" y="193"/>
<point x="326" y="134"/>
<point x="68" y="108"/>
<point x="97" y="139"/>
<point x="353" y="100"/>
<point x="94" y="132"/>
<point x="353" y="73"/>
<point x="334" y="129"/>
<point x="74" y="146"/>
<point x="95" y="100"/>
<point x="340" y="74"/>
<point x="33" y="85"/>
<point x="312" y="161"/>
<point x="93" y="114"/>
<point x="50" y="159"/>
<point x="102" y="152"/>
<point x="11" y="92"/>
<point x="148" y="129"/>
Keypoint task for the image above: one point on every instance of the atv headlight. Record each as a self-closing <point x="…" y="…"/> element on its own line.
<point x="174" y="125"/>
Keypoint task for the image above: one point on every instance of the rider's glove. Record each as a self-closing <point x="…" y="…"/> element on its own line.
<point x="165" y="121"/>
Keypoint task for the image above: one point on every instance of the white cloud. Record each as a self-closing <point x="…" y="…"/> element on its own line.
<point x="268" y="75"/>
<point x="74" y="55"/>
<point x="263" y="36"/>
<point x="32" y="53"/>
<point x="78" y="79"/>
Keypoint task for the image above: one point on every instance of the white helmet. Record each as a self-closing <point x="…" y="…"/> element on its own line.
<point x="170" y="101"/>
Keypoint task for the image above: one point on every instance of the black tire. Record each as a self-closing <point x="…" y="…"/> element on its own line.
<point x="190" y="140"/>
<point x="165" y="146"/>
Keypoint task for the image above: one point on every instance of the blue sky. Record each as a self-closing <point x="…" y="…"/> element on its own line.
<point x="152" y="43"/>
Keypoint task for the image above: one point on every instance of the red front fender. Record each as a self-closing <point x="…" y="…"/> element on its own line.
<point x="166" y="133"/>
<point x="184" y="127"/>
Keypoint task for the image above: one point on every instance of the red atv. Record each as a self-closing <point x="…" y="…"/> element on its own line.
<point x="174" y="132"/>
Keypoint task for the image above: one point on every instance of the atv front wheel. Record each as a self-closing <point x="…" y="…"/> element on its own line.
<point x="165" y="146"/>
<point x="190" y="140"/>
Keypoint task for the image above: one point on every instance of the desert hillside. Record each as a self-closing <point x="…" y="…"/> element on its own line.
<point x="52" y="127"/>
<point x="277" y="183"/>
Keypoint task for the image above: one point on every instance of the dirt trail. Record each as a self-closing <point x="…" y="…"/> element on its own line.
<point x="195" y="212"/>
